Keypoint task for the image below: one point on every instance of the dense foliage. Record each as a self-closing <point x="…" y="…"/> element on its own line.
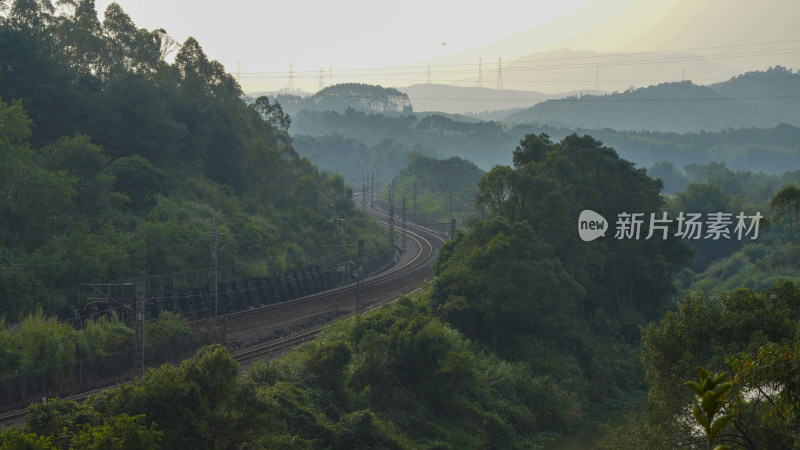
<point x="444" y="190"/>
<point x="397" y="378"/>
<point x="118" y="164"/>
<point x="339" y="97"/>
<point x="523" y="282"/>
<point x="752" y="335"/>
<point x="44" y="343"/>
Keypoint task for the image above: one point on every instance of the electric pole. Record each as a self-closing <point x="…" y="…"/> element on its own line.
<point x="415" y="202"/>
<point x="450" y="205"/>
<point x="480" y="74"/>
<point x="391" y="215"/>
<point x="214" y="258"/>
<point x="500" y="73"/>
<point x="452" y="219"/>
<point x="291" y="77"/>
<point x="403" y="228"/>
<point x="139" y="332"/>
<point x="361" y="256"/>
<point x="597" y="79"/>
<point x="335" y="227"/>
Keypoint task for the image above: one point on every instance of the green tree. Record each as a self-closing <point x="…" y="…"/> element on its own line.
<point x="708" y="403"/>
<point x="786" y="208"/>
<point x="35" y="200"/>
<point x="191" y="404"/>
<point x="726" y="332"/>
<point x="140" y="180"/>
<point x="766" y="382"/>
<point x="674" y="180"/>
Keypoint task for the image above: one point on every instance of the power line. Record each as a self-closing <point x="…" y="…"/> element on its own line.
<point x="105" y="257"/>
<point x="585" y="98"/>
<point x="471" y="66"/>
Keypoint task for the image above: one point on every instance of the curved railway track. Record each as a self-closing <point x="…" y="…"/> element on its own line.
<point x="377" y="290"/>
<point x="405" y="275"/>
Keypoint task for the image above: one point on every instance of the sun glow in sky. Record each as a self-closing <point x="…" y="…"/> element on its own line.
<point x="347" y="34"/>
<point x="378" y="41"/>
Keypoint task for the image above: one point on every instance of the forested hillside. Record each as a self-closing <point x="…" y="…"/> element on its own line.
<point x="118" y="164"/>
<point x="436" y="191"/>
<point x="339" y="97"/>
<point x="126" y="154"/>
<point x="756" y="99"/>
<point x="772" y="149"/>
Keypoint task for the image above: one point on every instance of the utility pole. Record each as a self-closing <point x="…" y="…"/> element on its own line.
<point x="403" y="228"/>
<point x="450" y="215"/>
<point x="291" y="77"/>
<point x="480" y="74"/>
<point x="450" y="205"/>
<point x="214" y="258"/>
<point x="415" y="201"/>
<point x="500" y="73"/>
<point x="391" y="216"/>
<point x="597" y="79"/>
<point x="361" y="256"/>
<point x="139" y="332"/>
<point x="372" y="190"/>
<point x="335" y="227"/>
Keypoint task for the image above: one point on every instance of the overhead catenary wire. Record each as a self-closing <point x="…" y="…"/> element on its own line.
<point x="422" y="70"/>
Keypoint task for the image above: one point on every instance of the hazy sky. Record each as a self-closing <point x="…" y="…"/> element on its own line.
<point x="350" y="37"/>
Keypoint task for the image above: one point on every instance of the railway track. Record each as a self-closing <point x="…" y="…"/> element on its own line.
<point x="377" y="290"/>
<point x="408" y="273"/>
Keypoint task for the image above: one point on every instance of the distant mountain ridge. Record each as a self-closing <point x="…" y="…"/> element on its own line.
<point x="755" y="99"/>
<point x="458" y="100"/>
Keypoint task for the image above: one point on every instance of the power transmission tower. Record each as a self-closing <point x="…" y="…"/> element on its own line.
<point x="500" y="73"/>
<point x="372" y="190"/>
<point x="429" y="74"/>
<point x="597" y="79"/>
<point x="321" y="80"/>
<point x="480" y="74"/>
<point x="291" y="76"/>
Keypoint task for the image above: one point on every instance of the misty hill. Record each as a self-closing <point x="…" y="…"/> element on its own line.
<point x="340" y="97"/>
<point x="458" y="100"/>
<point x="771" y="149"/>
<point x="557" y="73"/>
<point x="755" y="99"/>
